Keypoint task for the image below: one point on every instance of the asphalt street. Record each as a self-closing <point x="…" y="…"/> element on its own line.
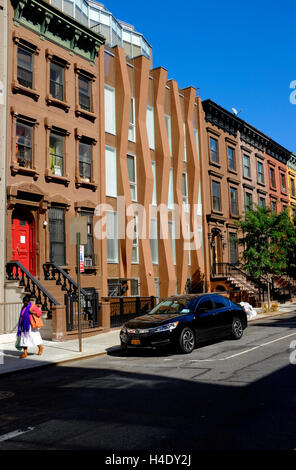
<point x="226" y="395"/>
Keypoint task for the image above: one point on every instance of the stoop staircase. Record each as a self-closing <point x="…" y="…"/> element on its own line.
<point x="58" y="288"/>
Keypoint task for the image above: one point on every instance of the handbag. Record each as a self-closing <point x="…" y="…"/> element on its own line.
<point x="36" y="322"/>
<point x="17" y="343"/>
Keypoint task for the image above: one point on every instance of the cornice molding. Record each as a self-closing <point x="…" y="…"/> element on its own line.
<point x="52" y="24"/>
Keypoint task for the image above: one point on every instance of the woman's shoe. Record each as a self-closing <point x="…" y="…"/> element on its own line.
<point x="40" y="350"/>
<point x="25" y="354"/>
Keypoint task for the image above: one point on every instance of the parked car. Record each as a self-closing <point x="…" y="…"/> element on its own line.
<point x="184" y="321"/>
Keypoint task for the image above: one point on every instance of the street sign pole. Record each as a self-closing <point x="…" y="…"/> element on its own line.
<point x="78" y="283"/>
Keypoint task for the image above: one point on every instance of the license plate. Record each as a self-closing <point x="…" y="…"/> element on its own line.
<point x="135" y="341"/>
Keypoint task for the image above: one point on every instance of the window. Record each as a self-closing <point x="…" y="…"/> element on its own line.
<point x="221" y="303"/>
<point x="249" y="201"/>
<point x="132" y="123"/>
<point x="262" y="202"/>
<point x="233" y="201"/>
<point x="154" y="241"/>
<point x="231" y="158"/>
<point x="56" y="153"/>
<point x="185" y="192"/>
<point x="214" y="150"/>
<point x="57" y="81"/>
<point x="154" y="197"/>
<point x="216" y="199"/>
<point x="233" y="248"/>
<point x="150" y="126"/>
<point x="196" y="142"/>
<point x="173" y="240"/>
<point x="89" y="247"/>
<point x="247" y="169"/>
<point x="171" y="190"/>
<point x="135" y="287"/>
<point x="111" y="172"/>
<point x="260" y="172"/>
<point x="292" y="181"/>
<point x="169" y="131"/>
<point x="272" y="177"/>
<point x="131" y="168"/>
<point x="273" y="206"/>
<point x="84" y="91"/>
<point x="112" y="237"/>
<point x="135" y="249"/>
<point x="283" y="183"/>
<point x="24" y="67"/>
<point x="205" y="305"/>
<point x="85" y="161"/>
<point x="57" y="235"/>
<point x="110" y="110"/>
<point x="24" y="144"/>
<point x="185" y="151"/>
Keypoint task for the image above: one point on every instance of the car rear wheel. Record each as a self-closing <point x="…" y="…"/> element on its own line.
<point x="187" y="341"/>
<point x="237" y="328"/>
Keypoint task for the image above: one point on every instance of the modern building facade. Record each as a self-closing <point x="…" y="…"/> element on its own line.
<point x="97" y="17"/>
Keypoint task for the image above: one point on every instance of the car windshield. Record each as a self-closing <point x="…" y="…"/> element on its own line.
<point x="172" y="306"/>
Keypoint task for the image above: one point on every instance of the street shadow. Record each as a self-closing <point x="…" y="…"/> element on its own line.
<point x="288" y="321"/>
<point x="112" y="409"/>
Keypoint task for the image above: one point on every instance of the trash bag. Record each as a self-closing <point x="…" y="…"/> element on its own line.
<point x="251" y="312"/>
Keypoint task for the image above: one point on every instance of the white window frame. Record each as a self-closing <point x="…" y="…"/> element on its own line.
<point x="173" y="240"/>
<point x="185" y="196"/>
<point x="133" y="184"/>
<point x="135" y="247"/>
<point x="114" y="239"/>
<point x="153" y="231"/>
<point x="111" y="179"/>
<point x="168" y="123"/>
<point x="150" y="127"/>
<point x="171" y="200"/>
<point x="132" y="124"/>
<point x="154" y="194"/>
<point x="110" y="118"/>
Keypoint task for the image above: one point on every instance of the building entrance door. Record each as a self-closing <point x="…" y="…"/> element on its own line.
<point x="23" y="239"/>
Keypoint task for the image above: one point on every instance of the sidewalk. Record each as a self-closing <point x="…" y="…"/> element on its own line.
<point x="62" y="352"/>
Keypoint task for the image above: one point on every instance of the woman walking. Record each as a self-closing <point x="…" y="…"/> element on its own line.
<point x="26" y="334"/>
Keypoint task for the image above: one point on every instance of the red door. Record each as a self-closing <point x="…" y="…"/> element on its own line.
<point x="23" y="240"/>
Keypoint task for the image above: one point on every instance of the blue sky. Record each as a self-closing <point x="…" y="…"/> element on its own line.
<point x="239" y="54"/>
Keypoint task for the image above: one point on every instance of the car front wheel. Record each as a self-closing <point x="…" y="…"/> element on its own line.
<point x="186" y="341"/>
<point x="237" y="328"/>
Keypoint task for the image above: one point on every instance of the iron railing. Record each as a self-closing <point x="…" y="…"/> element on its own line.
<point x="88" y="297"/>
<point x="277" y="292"/>
<point x="15" y="271"/>
<point x="126" y="308"/>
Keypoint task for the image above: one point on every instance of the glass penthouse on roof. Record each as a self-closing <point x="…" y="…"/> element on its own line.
<point x="99" y="19"/>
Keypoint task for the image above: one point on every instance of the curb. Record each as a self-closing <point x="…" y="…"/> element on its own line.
<point x="54" y="363"/>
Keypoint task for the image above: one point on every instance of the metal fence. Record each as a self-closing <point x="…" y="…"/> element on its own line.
<point x="89" y="311"/>
<point x="126" y="308"/>
<point x="9" y="316"/>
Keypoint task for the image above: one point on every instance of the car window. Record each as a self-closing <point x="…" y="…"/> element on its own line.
<point x="221" y="303"/>
<point x="205" y="305"/>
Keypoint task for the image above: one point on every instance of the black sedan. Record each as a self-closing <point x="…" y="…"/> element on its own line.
<point x="185" y="320"/>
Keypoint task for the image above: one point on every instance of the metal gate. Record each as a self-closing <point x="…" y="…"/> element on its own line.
<point x="89" y="310"/>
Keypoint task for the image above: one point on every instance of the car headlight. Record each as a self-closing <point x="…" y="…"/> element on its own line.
<point x="167" y="327"/>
